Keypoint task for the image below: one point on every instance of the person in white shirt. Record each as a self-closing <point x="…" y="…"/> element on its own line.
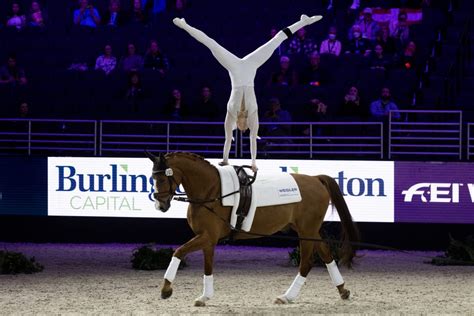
<point x="331" y="45"/>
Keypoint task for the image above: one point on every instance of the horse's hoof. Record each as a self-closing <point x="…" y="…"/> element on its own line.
<point x="199" y="303"/>
<point x="280" y="300"/>
<point x="345" y="294"/>
<point x="166" y="293"/>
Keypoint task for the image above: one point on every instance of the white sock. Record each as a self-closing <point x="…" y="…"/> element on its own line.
<point x="334" y="273"/>
<point x="295" y="288"/>
<point x="170" y="273"/>
<point x="208" y="288"/>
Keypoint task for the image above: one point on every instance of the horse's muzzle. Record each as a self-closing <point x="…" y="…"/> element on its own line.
<point x="163" y="206"/>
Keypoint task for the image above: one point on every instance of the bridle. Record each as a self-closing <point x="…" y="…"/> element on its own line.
<point x="163" y="168"/>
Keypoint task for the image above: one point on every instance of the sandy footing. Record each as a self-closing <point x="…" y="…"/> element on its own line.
<point x="98" y="279"/>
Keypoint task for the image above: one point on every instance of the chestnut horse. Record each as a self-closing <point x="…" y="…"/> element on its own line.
<point x="201" y="182"/>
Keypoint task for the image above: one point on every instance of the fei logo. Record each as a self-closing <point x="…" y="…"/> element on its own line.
<point x="437" y="192"/>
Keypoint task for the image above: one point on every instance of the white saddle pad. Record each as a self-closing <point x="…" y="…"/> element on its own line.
<point x="267" y="190"/>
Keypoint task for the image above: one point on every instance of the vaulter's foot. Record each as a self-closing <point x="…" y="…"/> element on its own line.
<point x="179" y="22"/>
<point x="310" y="20"/>
<point x="223" y="163"/>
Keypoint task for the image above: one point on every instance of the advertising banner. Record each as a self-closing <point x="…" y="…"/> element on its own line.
<point x="123" y="187"/>
<point x="436" y="192"/>
<point x="23" y="186"/>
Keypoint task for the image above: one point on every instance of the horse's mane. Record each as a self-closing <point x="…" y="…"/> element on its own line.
<point x="192" y="156"/>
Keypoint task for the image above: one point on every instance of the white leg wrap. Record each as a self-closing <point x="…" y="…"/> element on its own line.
<point x="334" y="273"/>
<point x="295" y="288"/>
<point x="170" y="273"/>
<point x="208" y="288"/>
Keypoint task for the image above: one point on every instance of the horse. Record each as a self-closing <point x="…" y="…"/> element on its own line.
<point x="209" y="220"/>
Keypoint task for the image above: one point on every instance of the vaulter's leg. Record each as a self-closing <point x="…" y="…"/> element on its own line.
<point x="253" y="127"/>
<point x="198" y="242"/>
<point x="325" y="253"/>
<point x="306" y="261"/>
<point x="264" y="52"/>
<point x="229" y="125"/>
<point x="208" y="278"/>
<point x="223" y="56"/>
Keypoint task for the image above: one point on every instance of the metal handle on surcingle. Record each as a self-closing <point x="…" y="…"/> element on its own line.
<point x="252" y="178"/>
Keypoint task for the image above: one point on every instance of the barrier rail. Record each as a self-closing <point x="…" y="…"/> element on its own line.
<point x="419" y="133"/>
<point x="48" y="136"/>
<point x="470" y="141"/>
<point x="425" y="133"/>
<point x="119" y="137"/>
<point x="319" y="139"/>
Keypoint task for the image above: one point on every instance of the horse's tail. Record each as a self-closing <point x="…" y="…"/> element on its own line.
<point x="350" y="232"/>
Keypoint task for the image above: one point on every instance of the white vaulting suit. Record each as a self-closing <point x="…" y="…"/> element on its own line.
<point x="242" y="102"/>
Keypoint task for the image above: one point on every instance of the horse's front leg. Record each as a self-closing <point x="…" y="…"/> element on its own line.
<point x="208" y="279"/>
<point x="198" y="242"/>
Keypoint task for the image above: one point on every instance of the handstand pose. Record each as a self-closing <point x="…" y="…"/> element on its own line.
<point x="242" y="109"/>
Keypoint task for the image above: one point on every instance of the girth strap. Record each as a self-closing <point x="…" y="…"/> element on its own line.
<point x="245" y="191"/>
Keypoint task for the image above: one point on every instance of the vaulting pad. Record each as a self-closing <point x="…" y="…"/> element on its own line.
<point x="267" y="190"/>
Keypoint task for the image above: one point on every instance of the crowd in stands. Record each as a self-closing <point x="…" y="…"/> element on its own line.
<point x="363" y="60"/>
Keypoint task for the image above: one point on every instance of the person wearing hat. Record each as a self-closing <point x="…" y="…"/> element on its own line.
<point x="368" y="26"/>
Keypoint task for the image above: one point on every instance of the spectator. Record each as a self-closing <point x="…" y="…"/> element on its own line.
<point x="206" y="108"/>
<point x="315" y="111"/>
<point x="331" y="45"/>
<point x="36" y="18"/>
<point x="139" y="14"/>
<point x="380" y="109"/>
<point x="132" y="62"/>
<point x="24" y="110"/>
<point x="301" y="44"/>
<point x="408" y="59"/>
<point x="368" y="26"/>
<point x="351" y="108"/>
<point x="114" y="16"/>
<point x="86" y="15"/>
<point x="106" y="62"/>
<point x="276" y="114"/>
<point x="135" y="94"/>
<point x="285" y="76"/>
<point x="12" y="74"/>
<point x="383" y="38"/>
<point x="154" y="58"/>
<point x="378" y="60"/>
<point x="16" y="19"/>
<point x="399" y="28"/>
<point x="176" y="109"/>
<point x="313" y="74"/>
<point x="358" y="45"/>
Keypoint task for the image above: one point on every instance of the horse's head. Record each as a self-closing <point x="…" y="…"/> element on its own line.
<point x="165" y="183"/>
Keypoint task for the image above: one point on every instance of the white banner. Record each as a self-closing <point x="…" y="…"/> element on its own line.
<point x="122" y="187"/>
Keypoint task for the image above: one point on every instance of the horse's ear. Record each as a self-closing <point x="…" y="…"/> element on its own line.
<point x="151" y="156"/>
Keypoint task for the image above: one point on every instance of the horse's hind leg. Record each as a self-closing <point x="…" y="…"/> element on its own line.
<point x="306" y="262"/>
<point x="208" y="279"/>
<point x="325" y="253"/>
